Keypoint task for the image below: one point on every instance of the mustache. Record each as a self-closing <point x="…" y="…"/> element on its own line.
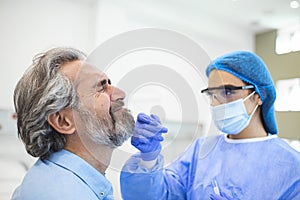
<point x="116" y="106"/>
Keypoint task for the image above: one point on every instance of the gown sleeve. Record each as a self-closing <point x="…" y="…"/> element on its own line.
<point x="158" y="182"/>
<point x="293" y="192"/>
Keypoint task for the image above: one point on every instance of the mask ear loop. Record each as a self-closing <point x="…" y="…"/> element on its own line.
<point x="248" y="96"/>
<point x="253" y="111"/>
<point x="255" y="106"/>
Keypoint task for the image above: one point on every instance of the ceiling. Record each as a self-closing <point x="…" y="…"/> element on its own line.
<point x="254" y="15"/>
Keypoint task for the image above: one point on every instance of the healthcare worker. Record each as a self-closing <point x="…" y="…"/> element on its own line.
<point x="247" y="161"/>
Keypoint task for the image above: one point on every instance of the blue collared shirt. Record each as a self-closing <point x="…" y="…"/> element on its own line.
<point x="64" y="176"/>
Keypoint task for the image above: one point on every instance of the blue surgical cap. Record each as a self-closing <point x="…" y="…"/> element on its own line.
<point x="251" y="69"/>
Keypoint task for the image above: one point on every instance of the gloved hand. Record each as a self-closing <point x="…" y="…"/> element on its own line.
<point x="148" y="135"/>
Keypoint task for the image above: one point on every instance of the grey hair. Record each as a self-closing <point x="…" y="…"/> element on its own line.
<point x="42" y="91"/>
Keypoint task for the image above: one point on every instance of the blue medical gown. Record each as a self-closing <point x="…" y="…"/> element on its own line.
<point x="259" y="168"/>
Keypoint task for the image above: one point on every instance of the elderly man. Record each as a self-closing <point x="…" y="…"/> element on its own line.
<point x="72" y="118"/>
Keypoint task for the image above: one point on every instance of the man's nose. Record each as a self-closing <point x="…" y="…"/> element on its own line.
<point x="116" y="93"/>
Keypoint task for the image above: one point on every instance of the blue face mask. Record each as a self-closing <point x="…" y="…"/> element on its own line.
<point x="232" y="117"/>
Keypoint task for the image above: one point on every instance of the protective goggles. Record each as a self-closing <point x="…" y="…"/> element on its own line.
<point x="224" y="93"/>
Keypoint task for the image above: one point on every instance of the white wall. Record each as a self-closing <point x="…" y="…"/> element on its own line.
<point x="31" y="26"/>
<point x="215" y="34"/>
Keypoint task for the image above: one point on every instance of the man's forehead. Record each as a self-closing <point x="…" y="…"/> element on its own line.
<point x="79" y="69"/>
<point x="90" y="69"/>
<point x="70" y="69"/>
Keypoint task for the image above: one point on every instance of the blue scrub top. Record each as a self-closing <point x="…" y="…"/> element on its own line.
<point x="258" y="168"/>
<point x="63" y="176"/>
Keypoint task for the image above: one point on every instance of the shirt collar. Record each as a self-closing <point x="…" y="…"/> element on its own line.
<point x="94" y="179"/>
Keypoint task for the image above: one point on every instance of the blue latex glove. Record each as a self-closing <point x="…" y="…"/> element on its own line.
<point x="148" y="135"/>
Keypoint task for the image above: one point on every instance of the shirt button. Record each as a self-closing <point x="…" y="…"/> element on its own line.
<point x="101" y="193"/>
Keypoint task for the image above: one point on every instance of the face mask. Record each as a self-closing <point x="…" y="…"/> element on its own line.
<point x="232" y="118"/>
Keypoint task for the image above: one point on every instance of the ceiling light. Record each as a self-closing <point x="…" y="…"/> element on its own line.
<point x="294" y="4"/>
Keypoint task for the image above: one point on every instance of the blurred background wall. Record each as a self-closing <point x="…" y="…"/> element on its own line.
<point x="282" y="67"/>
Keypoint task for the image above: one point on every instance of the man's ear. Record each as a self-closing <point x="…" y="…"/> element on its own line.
<point x="62" y="121"/>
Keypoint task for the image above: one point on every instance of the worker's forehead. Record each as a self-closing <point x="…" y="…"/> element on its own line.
<point x="220" y="77"/>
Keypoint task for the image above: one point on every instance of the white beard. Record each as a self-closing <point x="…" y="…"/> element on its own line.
<point x="111" y="130"/>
